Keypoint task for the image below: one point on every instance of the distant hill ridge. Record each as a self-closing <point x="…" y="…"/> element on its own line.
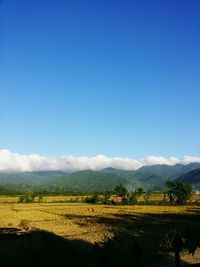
<point x="192" y="177"/>
<point x="89" y="180"/>
<point x="30" y="178"/>
<point x="149" y="177"/>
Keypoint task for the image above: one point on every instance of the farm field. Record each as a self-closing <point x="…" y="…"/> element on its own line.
<point x="95" y="223"/>
<point x="154" y="198"/>
<point x="82" y="221"/>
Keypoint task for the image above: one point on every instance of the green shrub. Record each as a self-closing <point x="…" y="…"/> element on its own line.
<point x="132" y="199"/>
<point x="28" y="197"/>
<point x="93" y="199"/>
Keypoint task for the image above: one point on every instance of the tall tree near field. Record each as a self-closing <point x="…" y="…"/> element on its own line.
<point x="178" y="192"/>
<point x="120" y="190"/>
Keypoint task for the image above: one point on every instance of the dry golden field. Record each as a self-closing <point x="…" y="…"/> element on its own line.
<point x="72" y="220"/>
<point x="93" y="223"/>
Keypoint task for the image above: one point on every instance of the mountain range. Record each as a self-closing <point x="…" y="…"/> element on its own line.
<point x="192" y="177"/>
<point x="148" y="177"/>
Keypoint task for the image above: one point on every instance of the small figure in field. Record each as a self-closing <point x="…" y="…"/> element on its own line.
<point x="177" y="245"/>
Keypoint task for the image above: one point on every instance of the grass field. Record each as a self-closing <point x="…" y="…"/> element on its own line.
<point x="93" y="223"/>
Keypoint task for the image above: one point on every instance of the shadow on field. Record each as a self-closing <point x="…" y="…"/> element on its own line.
<point x="40" y="248"/>
<point x="154" y="232"/>
<point x="139" y="241"/>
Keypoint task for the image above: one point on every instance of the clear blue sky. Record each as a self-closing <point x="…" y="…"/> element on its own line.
<point x="88" y="77"/>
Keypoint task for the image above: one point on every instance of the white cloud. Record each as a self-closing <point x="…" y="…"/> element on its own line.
<point x="15" y="162"/>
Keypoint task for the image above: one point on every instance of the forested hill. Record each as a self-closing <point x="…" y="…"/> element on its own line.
<point x="88" y="180"/>
<point x="148" y="177"/>
<point x="30" y="178"/>
<point x="192" y="177"/>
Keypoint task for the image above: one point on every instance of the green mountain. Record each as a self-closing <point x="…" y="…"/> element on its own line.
<point x="89" y="181"/>
<point x="147" y="177"/>
<point x="167" y="171"/>
<point x="192" y="177"/>
<point x="190" y="167"/>
<point x="159" y="170"/>
<point x="154" y="177"/>
<point x="119" y="172"/>
<point x="30" y="178"/>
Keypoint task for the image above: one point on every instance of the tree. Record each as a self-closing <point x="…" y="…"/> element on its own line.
<point x="28" y="197"/>
<point x="106" y="197"/>
<point x="120" y="190"/>
<point x="40" y="198"/>
<point x="139" y="191"/>
<point x="178" y="192"/>
<point x="146" y="196"/>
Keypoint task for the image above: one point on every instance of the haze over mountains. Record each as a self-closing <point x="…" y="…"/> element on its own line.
<point x="149" y="177"/>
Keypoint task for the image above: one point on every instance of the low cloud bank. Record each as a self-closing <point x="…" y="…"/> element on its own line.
<point x="14" y="162"/>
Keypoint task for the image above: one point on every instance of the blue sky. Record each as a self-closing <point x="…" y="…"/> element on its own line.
<point x="112" y="77"/>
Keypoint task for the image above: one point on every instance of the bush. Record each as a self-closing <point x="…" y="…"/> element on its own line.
<point x="132" y="199"/>
<point x="139" y="191"/>
<point x="93" y="199"/>
<point x="146" y="196"/>
<point x="106" y="198"/>
<point x="40" y="198"/>
<point x="28" y="197"/>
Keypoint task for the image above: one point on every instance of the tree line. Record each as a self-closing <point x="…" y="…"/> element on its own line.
<point x="177" y="193"/>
